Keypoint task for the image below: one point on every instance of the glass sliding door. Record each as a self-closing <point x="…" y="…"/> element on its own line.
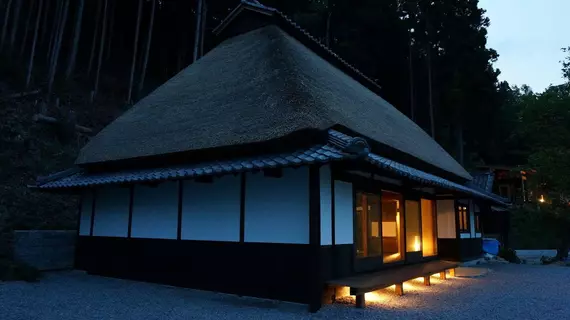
<point x="392" y="227"/>
<point x="413" y="239"/>
<point x="429" y="229"/>
<point x="367" y="225"/>
<point x="413" y="230"/>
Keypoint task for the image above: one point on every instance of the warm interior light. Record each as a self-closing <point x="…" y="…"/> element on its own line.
<point x="541" y="198"/>
<point x="373" y="296"/>
<point x="417" y="246"/>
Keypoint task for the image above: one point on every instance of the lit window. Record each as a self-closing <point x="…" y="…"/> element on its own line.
<point x="429" y="236"/>
<point x="463" y="216"/>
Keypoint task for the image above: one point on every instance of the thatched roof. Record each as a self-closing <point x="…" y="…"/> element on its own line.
<point x="255" y="87"/>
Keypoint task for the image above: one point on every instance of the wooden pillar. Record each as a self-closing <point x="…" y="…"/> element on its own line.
<point x="427" y="281"/>
<point x="452" y="273"/>
<point x="442" y="275"/>
<point x="400" y="289"/>
<point x="360" y="301"/>
<point x="316" y="283"/>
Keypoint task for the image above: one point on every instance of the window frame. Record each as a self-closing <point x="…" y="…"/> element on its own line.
<point x="477" y="220"/>
<point x="461" y="208"/>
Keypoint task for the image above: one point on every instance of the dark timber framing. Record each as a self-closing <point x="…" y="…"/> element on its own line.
<point x="131" y="201"/>
<point x="180" y="196"/>
<point x="242" y="208"/>
<point x="92" y="213"/>
<point x="333" y="220"/>
<point x="317" y="282"/>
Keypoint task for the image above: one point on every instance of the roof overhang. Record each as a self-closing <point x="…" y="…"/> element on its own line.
<point x="339" y="147"/>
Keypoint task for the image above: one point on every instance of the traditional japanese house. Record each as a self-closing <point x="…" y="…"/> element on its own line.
<point x="270" y="167"/>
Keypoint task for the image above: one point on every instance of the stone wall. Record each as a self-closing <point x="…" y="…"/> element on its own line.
<point x="45" y="249"/>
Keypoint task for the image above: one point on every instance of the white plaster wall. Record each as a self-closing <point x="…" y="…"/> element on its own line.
<point x="326" y="207"/>
<point x="85" y="219"/>
<point x="445" y="219"/>
<point x="155" y="211"/>
<point x="111" y="212"/>
<point x="277" y="209"/>
<point x="210" y="211"/>
<point x="344" y="211"/>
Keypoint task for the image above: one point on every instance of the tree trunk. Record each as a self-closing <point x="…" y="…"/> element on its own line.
<point x="54" y="29"/>
<point x="76" y="36"/>
<point x="203" y="28"/>
<point x="328" y="29"/>
<point x="101" y="49"/>
<point x="94" y="42"/>
<point x="147" y="51"/>
<point x="32" y="54"/>
<point x="412" y="92"/>
<point x="57" y="47"/>
<point x="111" y="29"/>
<point x="45" y="19"/>
<point x="430" y="95"/>
<point x="15" y="24"/>
<point x="135" y="49"/>
<point x="5" y="26"/>
<point x="459" y="140"/>
<point x="28" y="19"/>
<point x="198" y="31"/>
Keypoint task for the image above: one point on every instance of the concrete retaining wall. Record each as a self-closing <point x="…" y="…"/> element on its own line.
<point x="45" y="249"/>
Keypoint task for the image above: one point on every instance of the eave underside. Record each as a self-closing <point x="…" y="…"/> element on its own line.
<point x="340" y="148"/>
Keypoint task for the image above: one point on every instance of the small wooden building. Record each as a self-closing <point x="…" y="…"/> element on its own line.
<point x="267" y="168"/>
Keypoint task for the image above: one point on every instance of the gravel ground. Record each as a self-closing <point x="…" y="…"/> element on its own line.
<point x="506" y="292"/>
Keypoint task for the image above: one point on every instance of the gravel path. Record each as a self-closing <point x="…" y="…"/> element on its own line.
<point x="507" y="292"/>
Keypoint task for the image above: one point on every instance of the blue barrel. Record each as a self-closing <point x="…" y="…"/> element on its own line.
<point x="491" y="246"/>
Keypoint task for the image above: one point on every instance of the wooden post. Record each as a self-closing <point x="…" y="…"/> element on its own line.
<point x="135" y="49"/>
<point x="147" y="51"/>
<point x="399" y="289"/>
<point x="94" y="41"/>
<point x="5" y="26"/>
<point x="360" y="301"/>
<point x="452" y="273"/>
<point x="76" y="36"/>
<point x="442" y="275"/>
<point x="33" y="51"/>
<point x="427" y="281"/>
<point x="101" y="50"/>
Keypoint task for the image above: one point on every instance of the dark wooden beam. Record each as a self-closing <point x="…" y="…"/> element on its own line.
<point x="131" y="202"/>
<point x="273" y="172"/>
<point x="242" y="208"/>
<point x="360" y="301"/>
<point x="93" y="212"/>
<point x="180" y="196"/>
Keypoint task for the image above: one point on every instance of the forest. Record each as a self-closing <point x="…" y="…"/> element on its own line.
<point x="69" y="67"/>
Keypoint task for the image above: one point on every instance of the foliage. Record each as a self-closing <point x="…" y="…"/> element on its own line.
<point x="12" y="270"/>
<point x="566" y="65"/>
<point x="544" y="125"/>
<point x="533" y="228"/>
<point x="509" y="254"/>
